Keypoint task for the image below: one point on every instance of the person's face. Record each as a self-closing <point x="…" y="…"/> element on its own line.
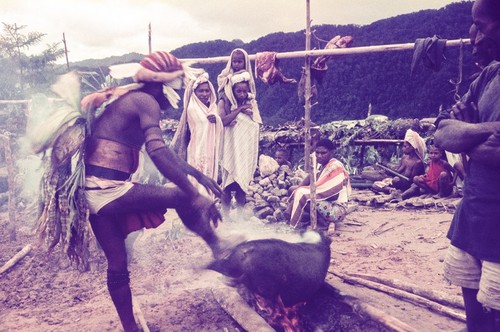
<point x="488" y="29"/>
<point x="323" y="155"/>
<point x="240" y="91"/>
<point x="280" y="157"/>
<point x="483" y="53"/>
<point x="407" y="148"/>
<point x="203" y="92"/>
<point x="238" y="61"/>
<point x="434" y="153"/>
<point x="315" y="136"/>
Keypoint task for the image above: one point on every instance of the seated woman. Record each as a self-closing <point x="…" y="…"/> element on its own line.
<point x="411" y="164"/>
<point x="332" y="191"/>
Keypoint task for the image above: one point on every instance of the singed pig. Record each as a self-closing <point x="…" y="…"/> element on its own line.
<point x="276" y="269"/>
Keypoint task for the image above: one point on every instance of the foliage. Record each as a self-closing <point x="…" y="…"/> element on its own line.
<point x="24" y="74"/>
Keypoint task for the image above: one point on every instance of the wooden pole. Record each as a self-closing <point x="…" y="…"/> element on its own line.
<point x="334" y="51"/>
<point x="150" y="47"/>
<point x="307" y="119"/>
<point x="11" y="182"/>
<point x="66" y="51"/>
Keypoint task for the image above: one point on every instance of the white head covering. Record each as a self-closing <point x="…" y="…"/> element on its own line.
<point x="223" y="79"/>
<point x="417" y="142"/>
<point x="242" y="76"/>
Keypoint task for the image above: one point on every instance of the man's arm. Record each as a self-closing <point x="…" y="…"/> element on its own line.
<point x="488" y="152"/>
<point x="458" y="136"/>
<point x="166" y="160"/>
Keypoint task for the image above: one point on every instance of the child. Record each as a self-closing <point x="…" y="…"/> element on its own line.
<point x="281" y="156"/>
<point x="240" y="117"/>
<point x="437" y="180"/>
<point x="238" y="61"/>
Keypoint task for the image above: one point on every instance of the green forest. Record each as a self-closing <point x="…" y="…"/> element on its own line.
<point x="352" y="82"/>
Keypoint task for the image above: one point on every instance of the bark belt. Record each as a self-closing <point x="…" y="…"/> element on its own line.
<point x="106" y="173"/>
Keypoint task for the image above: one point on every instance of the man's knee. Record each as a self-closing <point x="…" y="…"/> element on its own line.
<point x="118" y="279"/>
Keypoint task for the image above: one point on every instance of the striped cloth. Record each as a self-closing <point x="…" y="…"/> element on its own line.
<point x="240" y="152"/>
<point x="333" y="180"/>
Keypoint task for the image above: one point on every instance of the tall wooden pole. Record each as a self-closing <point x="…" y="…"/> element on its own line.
<point x="307" y="119"/>
<point x="149" y="38"/>
<point x="66" y="51"/>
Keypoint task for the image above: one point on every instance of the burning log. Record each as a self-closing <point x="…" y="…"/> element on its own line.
<point x="229" y="299"/>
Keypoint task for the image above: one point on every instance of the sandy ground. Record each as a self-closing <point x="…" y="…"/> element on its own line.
<point x="43" y="293"/>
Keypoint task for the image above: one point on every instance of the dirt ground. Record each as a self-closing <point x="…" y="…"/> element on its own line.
<point x="174" y="292"/>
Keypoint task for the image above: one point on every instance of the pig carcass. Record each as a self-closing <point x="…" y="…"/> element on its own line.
<point x="277" y="270"/>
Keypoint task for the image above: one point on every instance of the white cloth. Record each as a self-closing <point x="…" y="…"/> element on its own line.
<point x="241" y="148"/>
<point x="99" y="192"/>
<point x="204" y="148"/>
<point x="417" y="142"/>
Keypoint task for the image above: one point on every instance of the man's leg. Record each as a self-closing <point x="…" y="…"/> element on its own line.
<point x="478" y="319"/>
<point x="240" y="196"/>
<point x="112" y="243"/>
<point x="445" y="183"/>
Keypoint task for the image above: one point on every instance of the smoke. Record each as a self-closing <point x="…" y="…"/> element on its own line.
<point x="241" y="223"/>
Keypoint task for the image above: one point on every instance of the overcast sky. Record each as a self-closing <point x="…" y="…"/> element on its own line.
<point x="101" y="28"/>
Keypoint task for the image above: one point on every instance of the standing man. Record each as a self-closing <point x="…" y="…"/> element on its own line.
<point x="473" y="258"/>
<point x="118" y="206"/>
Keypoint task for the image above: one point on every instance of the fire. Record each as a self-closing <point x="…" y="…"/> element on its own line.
<point x="277" y="315"/>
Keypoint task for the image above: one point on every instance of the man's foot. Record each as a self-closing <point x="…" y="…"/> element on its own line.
<point x="395" y="196"/>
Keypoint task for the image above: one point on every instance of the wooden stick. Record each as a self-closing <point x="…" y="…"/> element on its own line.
<point x="379" y="316"/>
<point x="436" y="307"/>
<point x="229" y="299"/>
<point x="11" y="175"/>
<point x="427" y="293"/>
<point x="17" y="257"/>
<point x="393" y="172"/>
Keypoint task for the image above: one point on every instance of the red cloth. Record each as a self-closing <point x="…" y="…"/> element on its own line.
<point x="161" y="61"/>
<point x="432" y="176"/>
<point x="137" y="221"/>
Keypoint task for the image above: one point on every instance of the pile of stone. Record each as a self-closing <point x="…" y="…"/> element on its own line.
<point x="268" y="192"/>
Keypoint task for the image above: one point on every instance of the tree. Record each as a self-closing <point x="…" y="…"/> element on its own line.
<point x="23" y="73"/>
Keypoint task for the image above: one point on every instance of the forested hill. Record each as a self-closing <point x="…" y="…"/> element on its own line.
<point x="352" y="82"/>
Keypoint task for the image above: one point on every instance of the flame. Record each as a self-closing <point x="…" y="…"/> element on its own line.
<point x="277" y="315"/>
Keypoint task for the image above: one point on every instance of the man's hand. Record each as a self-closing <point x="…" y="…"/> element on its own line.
<point x="209" y="184"/>
<point x="205" y="206"/>
<point x="467" y="113"/>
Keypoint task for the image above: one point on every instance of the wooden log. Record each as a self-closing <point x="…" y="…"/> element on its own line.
<point x="427" y="293"/>
<point x="436" y="307"/>
<point x="16" y="258"/>
<point x="232" y="303"/>
<point x="379" y="141"/>
<point x="391" y="322"/>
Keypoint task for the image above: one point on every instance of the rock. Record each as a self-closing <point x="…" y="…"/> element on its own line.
<point x="263" y="213"/>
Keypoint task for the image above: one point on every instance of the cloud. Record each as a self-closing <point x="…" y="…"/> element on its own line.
<point x="101" y="28"/>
